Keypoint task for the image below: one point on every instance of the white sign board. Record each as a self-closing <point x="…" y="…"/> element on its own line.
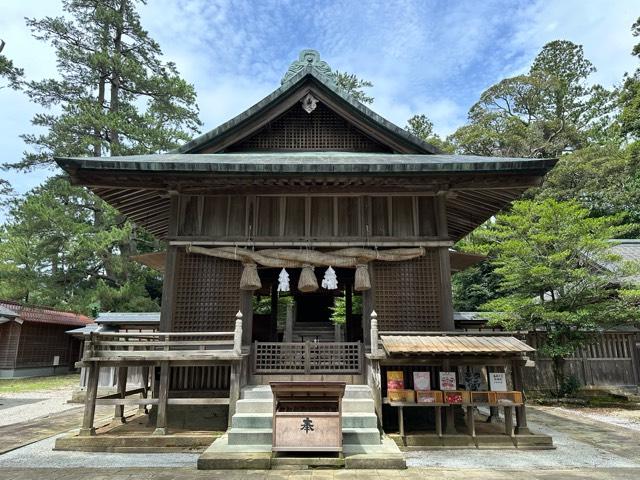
<point x="448" y="381"/>
<point x="421" y="381"/>
<point x="56" y="360"/>
<point x="498" y="381"/>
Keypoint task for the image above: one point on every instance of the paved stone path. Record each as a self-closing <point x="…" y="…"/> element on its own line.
<point x="18" y="435"/>
<point x="417" y="473"/>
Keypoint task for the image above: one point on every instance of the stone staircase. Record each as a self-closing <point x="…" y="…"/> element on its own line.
<point x="252" y="422"/>
<point x="313" y="331"/>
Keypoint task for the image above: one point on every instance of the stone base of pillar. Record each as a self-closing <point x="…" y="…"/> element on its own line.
<point x="87" y="432"/>
<point x="160" y="431"/>
<point x="522" y="431"/>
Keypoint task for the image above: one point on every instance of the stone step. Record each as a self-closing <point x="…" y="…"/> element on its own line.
<point x="265" y="420"/>
<point x="249" y="436"/>
<point x="265" y="405"/>
<point x="262" y="436"/>
<point x="264" y="392"/>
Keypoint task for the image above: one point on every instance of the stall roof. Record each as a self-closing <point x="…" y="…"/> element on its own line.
<point x="414" y="344"/>
<point x="123" y="318"/>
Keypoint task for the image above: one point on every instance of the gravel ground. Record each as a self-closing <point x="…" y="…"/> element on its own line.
<point x="41" y="454"/>
<point x="569" y="453"/>
<point x="40" y="404"/>
<point x="614" y="416"/>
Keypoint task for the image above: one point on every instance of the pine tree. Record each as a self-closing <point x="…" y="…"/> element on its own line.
<point x="114" y="95"/>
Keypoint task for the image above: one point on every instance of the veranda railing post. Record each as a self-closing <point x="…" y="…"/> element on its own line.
<point x="90" y="400"/>
<point x="374" y="333"/>
<point x="237" y="334"/>
<point x="307" y="358"/>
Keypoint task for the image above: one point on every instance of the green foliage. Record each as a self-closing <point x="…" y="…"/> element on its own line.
<point x="62" y="246"/>
<point x="605" y="179"/>
<point x="473" y="287"/>
<point x="629" y="99"/>
<point x="354" y="86"/>
<point x="339" y="309"/>
<point x="570" y="386"/>
<point x="549" y="256"/>
<point x="114" y="95"/>
<point x="550" y="110"/>
<point x="422" y="127"/>
<point x="9" y="71"/>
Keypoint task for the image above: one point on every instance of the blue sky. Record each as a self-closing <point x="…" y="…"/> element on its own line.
<point x="432" y="57"/>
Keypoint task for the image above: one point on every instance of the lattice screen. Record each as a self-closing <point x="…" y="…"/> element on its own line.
<point x="407" y="294"/>
<point x="321" y="129"/>
<point x="207" y="293"/>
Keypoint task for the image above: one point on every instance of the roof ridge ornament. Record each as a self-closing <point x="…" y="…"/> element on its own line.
<point x="310" y="58"/>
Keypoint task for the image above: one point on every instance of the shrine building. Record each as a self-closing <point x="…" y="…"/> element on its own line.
<point x="309" y="253"/>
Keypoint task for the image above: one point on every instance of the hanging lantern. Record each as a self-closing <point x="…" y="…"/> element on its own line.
<point x="362" y="280"/>
<point x="308" y="281"/>
<point x="283" y="281"/>
<point x="250" y="279"/>
<point x="330" y="280"/>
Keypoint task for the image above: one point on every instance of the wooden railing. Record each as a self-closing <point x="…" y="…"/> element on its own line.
<point x="307" y="358"/>
<point x="116" y="346"/>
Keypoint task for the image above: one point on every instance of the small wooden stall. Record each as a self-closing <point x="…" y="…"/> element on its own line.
<point x="307" y="416"/>
<point x="422" y="370"/>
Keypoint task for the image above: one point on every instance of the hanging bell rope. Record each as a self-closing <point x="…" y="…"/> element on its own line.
<point x="250" y="280"/>
<point x="308" y="281"/>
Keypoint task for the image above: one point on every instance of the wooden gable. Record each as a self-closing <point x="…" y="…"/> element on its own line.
<point x="321" y="129"/>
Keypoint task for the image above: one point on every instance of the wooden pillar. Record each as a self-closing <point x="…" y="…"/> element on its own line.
<point x="246" y="307"/>
<point x="349" y="333"/>
<point x="163" y="396"/>
<point x="446" y="300"/>
<point x="234" y="388"/>
<point x="518" y="384"/>
<point x="90" y="401"/>
<point x="145" y="388"/>
<point x="450" y="426"/>
<point x="118" y="416"/>
<point x="273" y="319"/>
<point x="288" y="328"/>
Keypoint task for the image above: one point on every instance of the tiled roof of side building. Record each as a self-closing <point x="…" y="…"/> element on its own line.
<point x="38" y="314"/>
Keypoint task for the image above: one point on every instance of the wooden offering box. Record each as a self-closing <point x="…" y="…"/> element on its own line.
<point x="485" y="398"/>
<point x="407" y="396"/>
<point x="428" y="396"/>
<point x="508" y="398"/>
<point x="307" y="416"/>
<point x="456" y="397"/>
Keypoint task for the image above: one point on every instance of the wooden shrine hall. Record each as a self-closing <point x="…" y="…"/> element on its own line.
<point x="309" y="239"/>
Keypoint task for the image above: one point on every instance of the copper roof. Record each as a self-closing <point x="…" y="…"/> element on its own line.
<point x="405" y="344"/>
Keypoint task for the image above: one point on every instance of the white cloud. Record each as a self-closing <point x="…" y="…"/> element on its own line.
<point x="423" y="56"/>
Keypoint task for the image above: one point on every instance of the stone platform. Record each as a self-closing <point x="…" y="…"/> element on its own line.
<point x="136" y="436"/>
<point x="222" y="456"/>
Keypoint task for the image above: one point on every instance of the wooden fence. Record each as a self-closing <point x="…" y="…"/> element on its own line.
<point x="612" y="359"/>
<point x="307" y="358"/>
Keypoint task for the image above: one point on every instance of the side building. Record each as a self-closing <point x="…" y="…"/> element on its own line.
<point x="33" y="340"/>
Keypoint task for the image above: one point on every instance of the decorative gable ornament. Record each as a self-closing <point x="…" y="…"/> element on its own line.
<point x="309" y="103"/>
<point x="310" y="58"/>
<point x="283" y="281"/>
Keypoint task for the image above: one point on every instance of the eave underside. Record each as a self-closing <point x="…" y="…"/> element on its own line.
<point x="470" y="199"/>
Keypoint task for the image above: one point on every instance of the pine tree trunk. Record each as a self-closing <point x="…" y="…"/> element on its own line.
<point x="114" y="100"/>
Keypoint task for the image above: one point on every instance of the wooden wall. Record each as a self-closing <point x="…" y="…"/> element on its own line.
<point x="612" y="360"/>
<point x="9" y="339"/>
<point x="329" y="218"/>
<point x="41" y="342"/>
<point x="407" y="295"/>
<point x="206" y="293"/>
